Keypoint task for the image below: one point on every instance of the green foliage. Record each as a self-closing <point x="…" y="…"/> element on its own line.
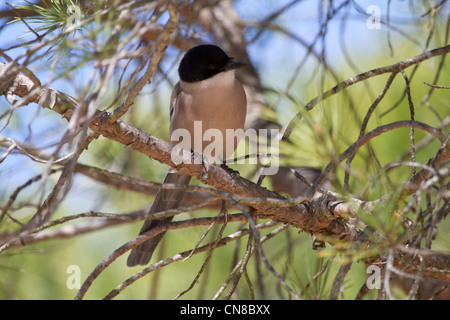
<point x="319" y="137"/>
<point x="54" y="15"/>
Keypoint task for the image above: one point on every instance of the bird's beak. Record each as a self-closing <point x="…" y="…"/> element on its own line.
<point x="233" y="64"/>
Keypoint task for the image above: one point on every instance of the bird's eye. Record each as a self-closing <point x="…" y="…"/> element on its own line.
<point x="212" y="66"/>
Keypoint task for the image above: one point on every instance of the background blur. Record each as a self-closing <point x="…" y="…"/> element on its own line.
<point x="296" y="50"/>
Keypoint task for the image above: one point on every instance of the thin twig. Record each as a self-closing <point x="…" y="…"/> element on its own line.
<point x="436" y="86"/>
<point x="366" y="75"/>
<point x="170" y="260"/>
<point x="209" y="255"/>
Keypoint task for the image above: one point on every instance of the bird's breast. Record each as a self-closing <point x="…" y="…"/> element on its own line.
<point x="213" y="113"/>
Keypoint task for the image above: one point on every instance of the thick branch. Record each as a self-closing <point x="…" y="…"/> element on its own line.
<point x="395" y="68"/>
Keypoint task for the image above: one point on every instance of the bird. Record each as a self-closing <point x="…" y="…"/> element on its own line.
<point x="207" y="93"/>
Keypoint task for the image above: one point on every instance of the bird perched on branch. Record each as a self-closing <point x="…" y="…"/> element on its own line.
<point x="207" y="97"/>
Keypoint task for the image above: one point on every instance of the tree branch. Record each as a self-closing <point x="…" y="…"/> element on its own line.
<point x="395" y="68"/>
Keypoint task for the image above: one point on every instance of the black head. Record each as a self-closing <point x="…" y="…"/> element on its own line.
<point x="205" y="61"/>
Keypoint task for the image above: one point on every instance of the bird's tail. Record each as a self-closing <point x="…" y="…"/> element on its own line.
<point x="165" y="199"/>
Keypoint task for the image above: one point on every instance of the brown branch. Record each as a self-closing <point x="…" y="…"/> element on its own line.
<point x="372" y="134"/>
<point x="317" y="217"/>
<point x="436" y="86"/>
<point x="157" y="50"/>
<point x="98" y="221"/>
<point x="266" y="202"/>
<point x="117" y="253"/>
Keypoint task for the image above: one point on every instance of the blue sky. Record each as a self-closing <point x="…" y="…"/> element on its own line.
<point x="275" y="56"/>
<point x="302" y="20"/>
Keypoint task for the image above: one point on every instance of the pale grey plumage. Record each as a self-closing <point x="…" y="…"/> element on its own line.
<point x="217" y="100"/>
